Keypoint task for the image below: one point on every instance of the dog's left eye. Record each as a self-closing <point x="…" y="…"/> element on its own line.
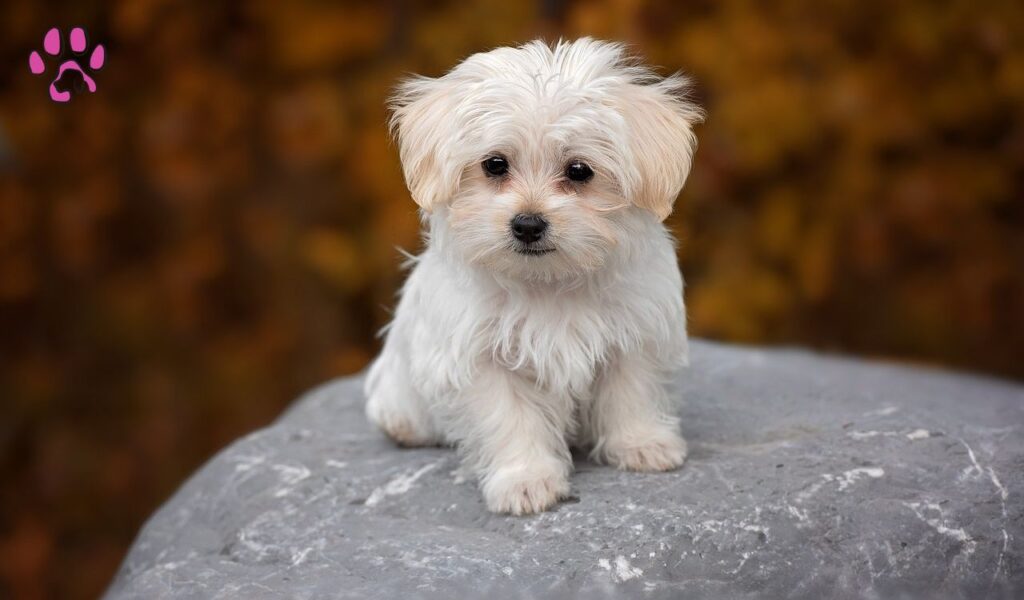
<point x="578" y="171"/>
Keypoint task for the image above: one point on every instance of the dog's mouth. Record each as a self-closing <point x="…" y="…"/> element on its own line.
<point x="529" y="251"/>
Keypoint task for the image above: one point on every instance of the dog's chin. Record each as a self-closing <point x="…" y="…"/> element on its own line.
<point x="538" y="261"/>
<point x="531" y="250"/>
<point x="542" y="262"/>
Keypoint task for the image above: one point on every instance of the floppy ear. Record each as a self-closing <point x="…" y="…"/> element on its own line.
<point x="662" y="142"/>
<point x="420" y="116"/>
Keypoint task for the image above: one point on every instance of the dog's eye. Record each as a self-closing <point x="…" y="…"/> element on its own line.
<point x="495" y="166"/>
<point x="578" y="171"/>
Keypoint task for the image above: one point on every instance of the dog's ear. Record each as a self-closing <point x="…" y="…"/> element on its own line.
<point x="660" y="119"/>
<point x="420" y="114"/>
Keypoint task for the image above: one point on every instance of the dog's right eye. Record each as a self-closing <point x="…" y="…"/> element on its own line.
<point x="495" y="166"/>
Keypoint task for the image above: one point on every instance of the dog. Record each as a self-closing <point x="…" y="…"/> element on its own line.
<point x="546" y="312"/>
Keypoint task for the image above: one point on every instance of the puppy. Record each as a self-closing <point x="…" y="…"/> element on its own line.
<point x="547" y="310"/>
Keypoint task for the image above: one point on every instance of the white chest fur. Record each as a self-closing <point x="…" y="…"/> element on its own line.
<point x="559" y="336"/>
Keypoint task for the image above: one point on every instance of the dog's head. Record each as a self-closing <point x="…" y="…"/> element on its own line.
<point x="535" y="157"/>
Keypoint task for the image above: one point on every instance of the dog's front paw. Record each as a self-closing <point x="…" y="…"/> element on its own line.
<point x="661" y="453"/>
<point x="524" y="491"/>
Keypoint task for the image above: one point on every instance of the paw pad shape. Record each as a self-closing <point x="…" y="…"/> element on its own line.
<point x="71" y="76"/>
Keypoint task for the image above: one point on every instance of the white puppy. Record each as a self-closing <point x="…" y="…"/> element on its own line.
<point x="547" y="310"/>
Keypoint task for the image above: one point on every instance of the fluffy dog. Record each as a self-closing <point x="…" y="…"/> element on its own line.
<point x="547" y="310"/>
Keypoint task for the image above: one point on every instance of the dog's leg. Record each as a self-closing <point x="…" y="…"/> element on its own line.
<point x="396" y="407"/>
<point x="513" y="436"/>
<point x="631" y="423"/>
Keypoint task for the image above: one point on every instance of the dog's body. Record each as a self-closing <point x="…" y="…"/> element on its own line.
<point x="547" y="310"/>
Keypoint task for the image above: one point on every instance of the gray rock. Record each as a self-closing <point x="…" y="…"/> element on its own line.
<point x="809" y="477"/>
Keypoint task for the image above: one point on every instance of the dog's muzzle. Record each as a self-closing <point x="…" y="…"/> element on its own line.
<point x="528" y="228"/>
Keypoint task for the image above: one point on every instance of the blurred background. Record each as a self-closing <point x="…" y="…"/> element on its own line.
<point x="213" y="231"/>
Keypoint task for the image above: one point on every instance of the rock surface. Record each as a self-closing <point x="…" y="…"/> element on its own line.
<point x="809" y="477"/>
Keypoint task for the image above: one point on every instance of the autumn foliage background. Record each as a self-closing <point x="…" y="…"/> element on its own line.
<point x="214" y="230"/>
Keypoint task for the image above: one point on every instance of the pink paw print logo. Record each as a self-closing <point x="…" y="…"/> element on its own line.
<point x="70" y="77"/>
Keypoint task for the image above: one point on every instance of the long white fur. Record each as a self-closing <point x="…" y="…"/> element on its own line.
<point x="515" y="358"/>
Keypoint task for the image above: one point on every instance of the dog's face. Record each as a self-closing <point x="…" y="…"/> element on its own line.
<point x="535" y="157"/>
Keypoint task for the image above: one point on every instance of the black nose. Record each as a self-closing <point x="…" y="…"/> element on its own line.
<point x="528" y="228"/>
